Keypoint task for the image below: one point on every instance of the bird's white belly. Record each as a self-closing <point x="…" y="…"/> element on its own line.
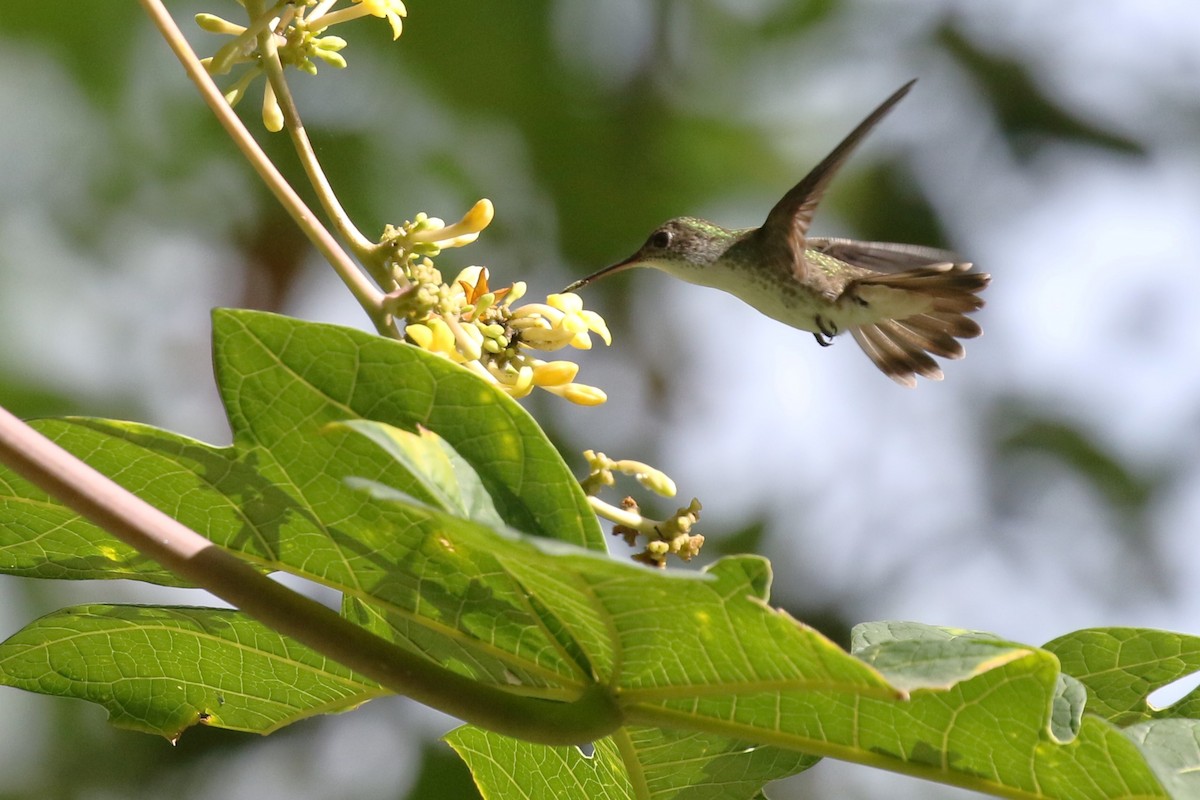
<point x="799" y="306"/>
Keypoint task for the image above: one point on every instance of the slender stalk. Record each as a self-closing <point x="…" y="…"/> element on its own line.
<point x="368" y="296"/>
<point x="188" y="554"/>
<point x="635" y="769"/>
<point x="621" y="516"/>
<point x="364" y="249"/>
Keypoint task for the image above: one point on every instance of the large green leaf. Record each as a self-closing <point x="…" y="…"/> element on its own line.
<point x="162" y="670"/>
<point x="281" y="377"/>
<point x="429" y="508"/>
<point x="278" y="495"/>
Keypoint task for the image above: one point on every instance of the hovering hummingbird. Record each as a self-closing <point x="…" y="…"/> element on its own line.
<point x="900" y="302"/>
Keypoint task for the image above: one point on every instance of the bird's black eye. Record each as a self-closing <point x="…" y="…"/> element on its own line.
<point x="660" y="239"/>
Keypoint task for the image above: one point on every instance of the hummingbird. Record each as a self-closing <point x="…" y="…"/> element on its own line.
<point x="902" y="303"/>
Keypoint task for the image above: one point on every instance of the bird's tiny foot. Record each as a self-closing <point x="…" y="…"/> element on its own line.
<point x="827" y="331"/>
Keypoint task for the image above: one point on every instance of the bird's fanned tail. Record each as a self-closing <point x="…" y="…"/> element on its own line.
<point x="941" y="296"/>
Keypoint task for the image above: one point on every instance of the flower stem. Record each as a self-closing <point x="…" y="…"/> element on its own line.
<point x="628" y="519"/>
<point x="363" y="248"/>
<point x="369" y="297"/>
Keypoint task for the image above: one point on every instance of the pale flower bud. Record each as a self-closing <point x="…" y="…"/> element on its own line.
<point x="579" y="393"/>
<point x="272" y="114"/>
<point x="421" y="335"/>
<point x="566" y="301"/>
<point x="465" y="231"/>
<point x="653" y="479"/>
<point x="555" y="373"/>
<point x="214" y="24"/>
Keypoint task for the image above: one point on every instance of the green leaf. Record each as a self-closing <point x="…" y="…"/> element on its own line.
<point x="1172" y="746"/>
<point x="914" y="656"/>
<point x="679" y="765"/>
<point x="277" y="373"/>
<point x="447" y="479"/>
<point x="161" y="670"/>
<point x="191" y="481"/>
<point x="1066" y="715"/>
<point x="1121" y="667"/>
<point x="505" y="767"/>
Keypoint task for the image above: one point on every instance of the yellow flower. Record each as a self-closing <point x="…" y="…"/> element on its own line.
<point x="272" y="114"/>
<point x="515" y="379"/>
<point x="463" y="232"/>
<point x="420" y="334"/>
<point x="557" y="323"/>
<point x="653" y="479"/>
<point x="473" y="324"/>
<point x="433" y="335"/>
<point x="473" y="281"/>
<point x="539" y="326"/>
<point x="468" y="340"/>
<point x="579" y="321"/>
<point x="554" y="373"/>
<point x="579" y="393"/>
<point x="326" y="48"/>
<point x="393" y="10"/>
<point x="214" y="24"/>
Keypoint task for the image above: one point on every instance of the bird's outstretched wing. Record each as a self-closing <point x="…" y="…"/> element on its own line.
<point x="788" y="221"/>
<point x="884" y="256"/>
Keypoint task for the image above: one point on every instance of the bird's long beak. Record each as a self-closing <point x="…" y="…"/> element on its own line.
<point x="620" y="266"/>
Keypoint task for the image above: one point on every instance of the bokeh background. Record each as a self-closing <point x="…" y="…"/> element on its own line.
<point x="1052" y="482"/>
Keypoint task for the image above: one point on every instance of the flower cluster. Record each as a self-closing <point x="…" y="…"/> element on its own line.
<point x="664" y="538"/>
<point x="297" y="28"/>
<point x="670" y="537"/>
<point x="482" y="328"/>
